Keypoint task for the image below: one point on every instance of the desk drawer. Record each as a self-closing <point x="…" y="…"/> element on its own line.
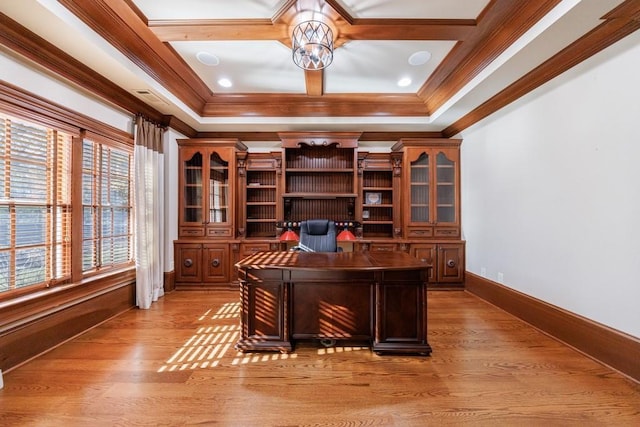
<point x="314" y="276"/>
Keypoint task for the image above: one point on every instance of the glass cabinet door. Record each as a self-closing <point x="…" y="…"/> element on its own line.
<point x="192" y="203"/>
<point x="218" y="189"/>
<point x="445" y="189"/>
<point x="420" y="189"/>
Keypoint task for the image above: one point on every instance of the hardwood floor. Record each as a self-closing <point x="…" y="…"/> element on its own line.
<point x="175" y="365"/>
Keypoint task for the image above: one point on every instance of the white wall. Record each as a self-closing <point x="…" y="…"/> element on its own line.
<point x="18" y="74"/>
<point x="551" y="191"/>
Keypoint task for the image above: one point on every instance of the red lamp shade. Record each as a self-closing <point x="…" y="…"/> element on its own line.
<point x="346" y="236"/>
<point x="289" y="236"/>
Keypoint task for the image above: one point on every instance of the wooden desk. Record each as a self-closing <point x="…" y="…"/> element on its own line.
<point x="380" y="298"/>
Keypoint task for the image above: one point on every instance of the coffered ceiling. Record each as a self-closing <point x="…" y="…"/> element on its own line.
<point x="462" y="59"/>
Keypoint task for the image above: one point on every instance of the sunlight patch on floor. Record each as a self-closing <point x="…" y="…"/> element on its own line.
<point x="214" y="345"/>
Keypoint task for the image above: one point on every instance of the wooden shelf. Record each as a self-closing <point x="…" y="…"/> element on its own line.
<point x="319" y="195"/>
<point x="385" y="205"/>
<point x="316" y="170"/>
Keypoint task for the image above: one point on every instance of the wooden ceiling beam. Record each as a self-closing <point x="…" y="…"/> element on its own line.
<point x="619" y="23"/>
<point x="218" y="29"/>
<point x="116" y="22"/>
<point x="294" y="105"/>
<point x="314" y="81"/>
<point x="265" y="29"/>
<point x="406" y="29"/>
<point x="500" y="24"/>
<point x="34" y="48"/>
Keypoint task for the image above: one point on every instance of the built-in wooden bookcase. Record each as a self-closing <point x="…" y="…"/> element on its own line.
<point x="432" y="175"/>
<point x="319" y="178"/>
<point x="206" y="211"/>
<point x="261" y="192"/>
<point x="431" y="206"/>
<point x="378" y="213"/>
<point x="233" y="202"/>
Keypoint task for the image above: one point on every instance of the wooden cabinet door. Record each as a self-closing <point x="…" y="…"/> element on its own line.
<point x="427" y="253"/>
<point x="450" y="266"/>
<point x="191" y="213"/>
<point x="431" y="174"/>
<point x="219" y="192"/>
<point x="206" y="191"/>
<point x="188" y="263"/>
<point x="215" y="263"/>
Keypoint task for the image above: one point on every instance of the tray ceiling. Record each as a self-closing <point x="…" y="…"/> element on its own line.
<point x="480" y="55"/>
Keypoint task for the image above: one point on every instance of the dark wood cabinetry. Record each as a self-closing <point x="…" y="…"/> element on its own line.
<point x="319" y="178"/>
<point x="431" y="172"/>
<point x="233" y="203"/>
<point x="379" y="194"/>
<point x="259" y="196"/>
<point x="207" y="189"/>
<point x="446" y="260"/>
<point x="206" y="212"/>
<point x="201" y="264"/>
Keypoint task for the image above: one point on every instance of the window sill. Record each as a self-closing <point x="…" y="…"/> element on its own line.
<point x="28" y="308"/>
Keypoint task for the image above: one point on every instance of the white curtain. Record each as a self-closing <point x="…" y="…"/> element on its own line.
<point x="149" y="212"/>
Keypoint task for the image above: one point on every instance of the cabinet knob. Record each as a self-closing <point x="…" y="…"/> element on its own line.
<point x="188" y="262"/>
<point x="451" y="263"/>
<point x="215" y="262"/>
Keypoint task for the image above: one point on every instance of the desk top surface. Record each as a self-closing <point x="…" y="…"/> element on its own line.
<point x="331" y="261"/>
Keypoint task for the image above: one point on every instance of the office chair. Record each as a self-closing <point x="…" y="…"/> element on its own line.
<point x="318" y="235"/>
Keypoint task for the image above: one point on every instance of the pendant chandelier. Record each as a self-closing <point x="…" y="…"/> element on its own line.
<point x="312" y="43"/>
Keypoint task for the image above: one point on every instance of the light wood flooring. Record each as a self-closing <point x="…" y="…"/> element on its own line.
<point x="175" y="365"/>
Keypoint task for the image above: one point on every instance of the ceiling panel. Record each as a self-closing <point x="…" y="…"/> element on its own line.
<point x="377" y="66"/>
<point x="207" y="9"/>
<point x="415" y="9"/>
<point x="485" y="47"/>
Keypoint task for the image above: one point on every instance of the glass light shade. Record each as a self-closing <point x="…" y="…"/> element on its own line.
<point x="345" y="236"/>
<point x="312" y="43"/>
<point x="289" y="236"/>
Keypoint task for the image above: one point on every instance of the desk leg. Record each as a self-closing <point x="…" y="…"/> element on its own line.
<point x="264" y="319"/>
<point x="401" y="318"/>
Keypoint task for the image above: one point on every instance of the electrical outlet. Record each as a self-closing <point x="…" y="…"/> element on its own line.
<point x="483" y="271"/>
<point x="500" y="277"/>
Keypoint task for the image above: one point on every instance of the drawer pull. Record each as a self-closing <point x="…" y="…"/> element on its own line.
<point x="215" y="262"/>
<point x="188" y="262"/>
<point x="451" y="263"/>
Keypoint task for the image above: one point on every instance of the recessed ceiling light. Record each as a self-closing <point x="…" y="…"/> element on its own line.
<point x="404" y="82"/>
<point x="419" y="58"/>
<point x="208" y="58"/>
<point x="224" y="82"/>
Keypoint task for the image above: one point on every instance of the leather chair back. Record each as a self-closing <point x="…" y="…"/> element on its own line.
<point x="319" y="235"/>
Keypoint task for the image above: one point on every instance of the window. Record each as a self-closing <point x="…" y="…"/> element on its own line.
<point x="107" y="224"/>
<point x="35" y="205"/>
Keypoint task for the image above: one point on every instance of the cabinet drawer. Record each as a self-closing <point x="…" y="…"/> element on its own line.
<point x="219" y="232"/>
<point x="447" y="232"/>
<point x="251" y="248"/>
<point x="382" y="247"/>
<point x="191" y="232"/>
<point x="420" y="232"/>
